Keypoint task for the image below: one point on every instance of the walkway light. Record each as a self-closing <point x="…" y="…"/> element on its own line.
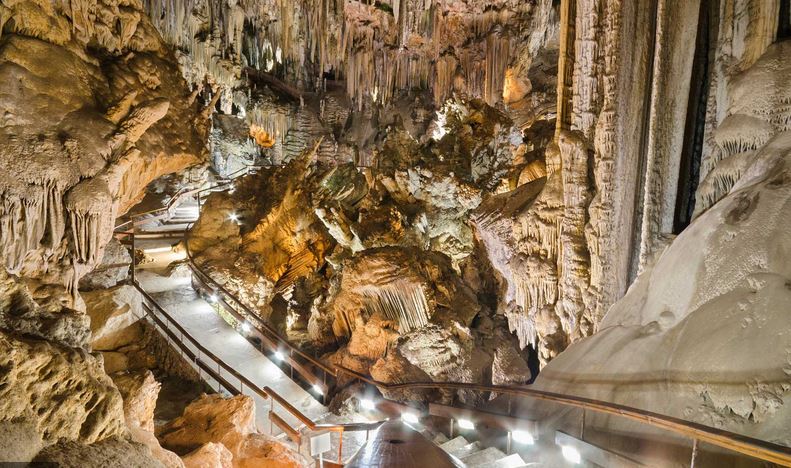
<point x="466" y="424"/>
<point x="213" y="298"/>
<point x="523" y="437"/>
<point x="367" y="404"/>
<point x="279" y="356"/>
<point x="571" y="454"/>
<point x="410" y="418"/>
<point x="233" y="217"/>
<point x="246" y="327"/>
<point x="317" y="389"/>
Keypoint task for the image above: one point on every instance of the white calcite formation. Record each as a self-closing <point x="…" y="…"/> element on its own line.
<point x="702" y="334"/>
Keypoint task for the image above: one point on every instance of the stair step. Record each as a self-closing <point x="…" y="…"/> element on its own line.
<point x="454" y="444"/>
<point x="480" y="457"/>
<point x="440" y="438"/>
<point x="511" y="461"/>
<point x="467" y="450"/>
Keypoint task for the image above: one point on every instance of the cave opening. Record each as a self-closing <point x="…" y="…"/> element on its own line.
<point x="694" y="128"/>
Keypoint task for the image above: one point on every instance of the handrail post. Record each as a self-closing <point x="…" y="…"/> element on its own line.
<point x="694" y="452"/>
<point x="340" y="448"/>
<point x="133" y="253"/>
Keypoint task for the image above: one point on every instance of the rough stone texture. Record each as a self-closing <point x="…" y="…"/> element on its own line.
<point x="684" y="339"/>
<point x="113" y="268"/>
<point x="139" y="391"/>
<point x="39" y="311"/>
<point x="109" y="452"/>
<point x="114" y="313"/>
<point x="96" y="112"/>
<point x="63" y="391"/>
<point x="209" y="455"/>
<point x="230" y="422"/>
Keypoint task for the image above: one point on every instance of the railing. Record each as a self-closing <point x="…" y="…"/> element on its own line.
<point x="738" y="443"/>
<point x="744" y="445"/>
<point x="297" y="359"/>
<point x="208" y="363"/>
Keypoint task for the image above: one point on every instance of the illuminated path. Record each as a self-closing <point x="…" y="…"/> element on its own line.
<point x="174" y="293"/>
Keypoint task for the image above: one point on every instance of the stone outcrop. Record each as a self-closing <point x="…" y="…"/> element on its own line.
<point x="683" y="340"/>
<point x="230" y="422"/>
<point x="63" y="391"/>
<point x="98" y="111"/>
<point x="139" y="391"/>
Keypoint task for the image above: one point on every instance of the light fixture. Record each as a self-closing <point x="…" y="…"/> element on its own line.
<point x="213" y="298"/>
<point x="523" y="437"/>
<point x="246" y="327"/>
<point x="410" y="418"/>
<point x="367" y="404"/>
<point x="279" y="356"/>
<point x="233" y="217"/>
<point x="571" y="454"/>
<point x="466" y="424"/>
<point x="317" y="389"/>
<point x="158" y="250"/>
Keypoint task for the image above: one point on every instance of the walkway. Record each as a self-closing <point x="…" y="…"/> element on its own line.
<point x="172" y="289"/>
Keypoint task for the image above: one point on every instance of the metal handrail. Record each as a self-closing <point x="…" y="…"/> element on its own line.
<point x="202" y="349"/>
<point x="264" y="392"/>
<point x="745" y="445"/>
<point x="265" y="326"/>
<point x="738" y="443"/>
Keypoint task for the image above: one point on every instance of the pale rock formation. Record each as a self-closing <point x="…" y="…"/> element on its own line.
<point x="139" y="391"/>
<point x="85" y="129"/>
<point x="113" y="268"/>
<point x="108" y="452"/>
<point x="41" y="313"/>
<point x="63" y="391"/>
<point x="381" y="51"/>
<point x="209" y="455"/>
<point x="230" y="422"/>
<point x="113" y="314"/>
<point x="683" y="340"/>
<point x="408" y="287"/>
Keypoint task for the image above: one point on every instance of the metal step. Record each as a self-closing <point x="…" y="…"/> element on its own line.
<point x="454" y="444"/>
<point x="483" y="456"/>
<point x="511" y="461"/>
<point x="467" y="450"/>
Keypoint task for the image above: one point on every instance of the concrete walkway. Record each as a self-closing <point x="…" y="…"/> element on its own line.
<point x="173" y="291"/>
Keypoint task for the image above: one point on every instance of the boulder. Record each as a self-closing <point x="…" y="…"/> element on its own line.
<point x="231" y="423"/>
<point x="107" y="453"/>
<point x="209" y="455"/>
<point x="114" y="314"/>
<point x="63" y="391"/>
<point x="113" y="268"/>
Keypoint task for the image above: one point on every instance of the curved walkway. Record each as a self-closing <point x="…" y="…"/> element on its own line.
<point x="173" y="292"/>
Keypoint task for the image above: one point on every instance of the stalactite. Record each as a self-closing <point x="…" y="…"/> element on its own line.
<point x="401" y="302"/>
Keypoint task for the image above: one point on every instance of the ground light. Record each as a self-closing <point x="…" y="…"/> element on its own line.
<point x="367" y="404"/>
<point x="523" y="437"/>
<point x="318" y="389"/>
<point x="233" y="217"/>
<point x="571" y="454"/>
<point x="279" y="356"/>
<point x="466" y="424"/>
<point x="245" y="327"/>
<point x="410" y="418"/>
<point x="213" y="298"/>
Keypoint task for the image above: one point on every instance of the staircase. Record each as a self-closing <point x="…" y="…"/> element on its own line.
<point x="474" y="455"/>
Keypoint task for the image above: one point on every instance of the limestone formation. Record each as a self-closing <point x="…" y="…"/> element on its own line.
<point x="229" y="422"/>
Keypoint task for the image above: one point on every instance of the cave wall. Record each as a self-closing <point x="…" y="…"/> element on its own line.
<point x="94" y="108"/>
